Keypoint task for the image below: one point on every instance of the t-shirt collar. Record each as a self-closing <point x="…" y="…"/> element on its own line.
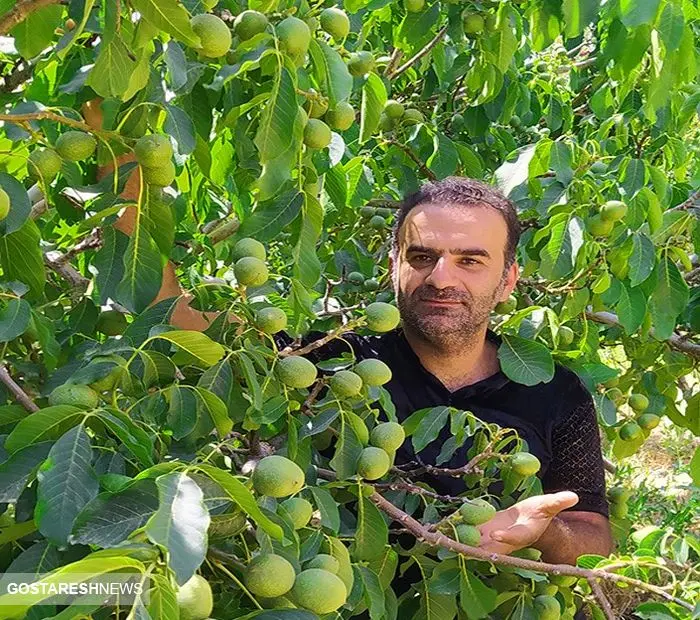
<point x="490" y="384"/>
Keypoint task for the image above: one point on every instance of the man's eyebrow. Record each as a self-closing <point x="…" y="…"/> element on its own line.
<point x="454" y="251"/>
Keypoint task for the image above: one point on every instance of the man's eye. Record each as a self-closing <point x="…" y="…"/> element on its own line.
<point x="470" y="261"/>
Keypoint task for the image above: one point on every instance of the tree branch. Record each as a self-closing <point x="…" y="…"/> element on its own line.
<point x="20" y="395"/>
<point x="688" y="203"/>
<point x="54" y="260"/>
<point x="20" y="11"/>
<point x="17" y="76"/>
<point x="317" y="344"/>
<point x="423" y="534"/>
<point x="602" y="599"/>
<point x="675" y="341"/>
<point x="48" y="115"/>
<point x="418" y="55"/>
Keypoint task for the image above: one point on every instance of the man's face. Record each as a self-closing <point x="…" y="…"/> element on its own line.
<point x="449" y="273"/>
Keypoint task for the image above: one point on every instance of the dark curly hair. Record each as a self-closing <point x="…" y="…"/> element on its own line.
<point x="466" y="192"/>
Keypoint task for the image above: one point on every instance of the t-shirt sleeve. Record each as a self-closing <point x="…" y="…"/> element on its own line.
<point x="577" y="460"/>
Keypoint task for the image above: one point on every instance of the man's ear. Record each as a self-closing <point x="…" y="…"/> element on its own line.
<point x="511" y="279"/>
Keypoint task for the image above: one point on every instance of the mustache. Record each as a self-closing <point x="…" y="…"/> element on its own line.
<point x="425" y="293"/>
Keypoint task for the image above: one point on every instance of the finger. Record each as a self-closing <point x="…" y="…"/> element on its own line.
<point x="552" y="504"/>
<point x="518" y="535"/>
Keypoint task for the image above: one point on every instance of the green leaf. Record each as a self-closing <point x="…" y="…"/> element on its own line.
<point x="417" y="29"/>
<point x="279" y="134"/>
<point x="642" y="260"/>
<point x="143" y="272"/>
<point x="196" y="344"/>
<point x="435" y="606"/>
<point x="66" y="483"/>
<point x="14" y="319"/>
<point x="634" y="177"/>
<point x="373" y="101"/>
<point x="131" y="436"/>
<point x="109" y="262"/>
<point x="333" y="75"/>
<point x="20" y="205"/>
<point x="169" y="16"/>
<point x="476" y="599"/>
<point x="307" y="267"/>
<point x="559" y="255"/>
<point x="444" y="159"/>
<point x="36" y="31"/>
<point x="429" y="427"/>
<point x="503" y="40"/>
<point x="270" y="218"/>
<point x="216" y="408"/>
<point x="16" y="471"/>
<point x="669" y="299"/>
<point x="347" y="451"/>
<point x="374" y="593"/>
<point x="180" y="524"/>
<point x="42" y="425"/>
<point x="163" y="599"/>
<point x="330" y="517"/>
<point x="525" y="361"/>
<point x="111" y="74"/>
<point x="372" y="533"/>
<point x="631" y="308"/>
<point x="180" y="126"/>
<point x="694" y="467"/>
<point x="21" y="258"/>
<point x="109" y="519"/>
<point x="240" y="494"/>
<point x="635" y="13"/>
<point x="251" y="379"/>
<point x="182" y="410"/>
<point x="578" y="14"/>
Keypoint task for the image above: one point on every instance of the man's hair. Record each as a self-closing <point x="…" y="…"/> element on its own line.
<point x="461" y="191"/>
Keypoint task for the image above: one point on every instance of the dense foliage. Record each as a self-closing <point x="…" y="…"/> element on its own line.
<point x="144" y="139"/>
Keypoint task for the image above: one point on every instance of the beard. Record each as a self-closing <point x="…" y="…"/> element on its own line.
<point x="446" y="327"/>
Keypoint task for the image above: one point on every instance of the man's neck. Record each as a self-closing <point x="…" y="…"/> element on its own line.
<point x="457" y="367"/>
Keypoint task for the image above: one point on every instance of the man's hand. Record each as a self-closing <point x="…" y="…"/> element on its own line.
<point x="522" y="524"/>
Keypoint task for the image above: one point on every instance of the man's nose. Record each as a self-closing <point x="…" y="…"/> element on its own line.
<point x="442" y="274"/>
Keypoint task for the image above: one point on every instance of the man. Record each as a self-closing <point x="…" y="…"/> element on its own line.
<point x="452" y="261"/>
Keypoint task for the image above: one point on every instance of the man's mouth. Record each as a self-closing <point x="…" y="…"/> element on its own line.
<point x="441" y="302"/>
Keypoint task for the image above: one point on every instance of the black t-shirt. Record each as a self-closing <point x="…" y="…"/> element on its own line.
<point x="557" y="419"/>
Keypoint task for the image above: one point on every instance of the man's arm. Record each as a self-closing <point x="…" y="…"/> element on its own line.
<point x="543" y="522"/>
<point x="572" y="518"/>
<point x="574" y="533"/>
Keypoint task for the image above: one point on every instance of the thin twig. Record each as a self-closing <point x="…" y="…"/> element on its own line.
<point x="402" y="485"/>
<point x="676" y="341"/>
<point x="453" y="473"/>
<point x="602" y="599"/>
<point x="92" y="242"/>
<point x="20" y="11"/>
<point x="20" y="395"/>
<point x="688" y="203"/>
<point x="54" y="261"/>
<point x="418" y="55"/>
<point x="58" y="118"/>
<point x="317" y="344"/>
<point x="20" y="73"/>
